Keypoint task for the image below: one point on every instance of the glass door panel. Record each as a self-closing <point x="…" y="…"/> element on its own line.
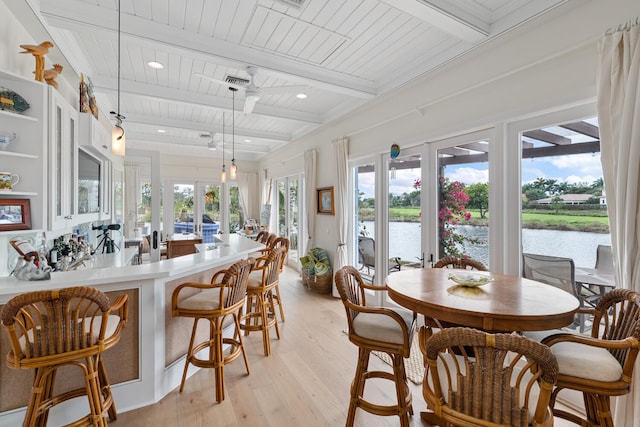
<point x="185" y="221"/>
<point x="209" y="205"/>
<point x="288" y="201"/>
<point x="463" y="199"/>
<point x="364" y="191"/>
<point x="236" y="216"/>
<point x="404" y="210"/>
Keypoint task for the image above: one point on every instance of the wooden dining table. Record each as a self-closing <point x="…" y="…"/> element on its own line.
<point x="506" y="303"/>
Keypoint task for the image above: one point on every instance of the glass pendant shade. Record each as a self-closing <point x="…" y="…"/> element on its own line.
<point x="233" y="170"/>
<point x="118" y="146"/>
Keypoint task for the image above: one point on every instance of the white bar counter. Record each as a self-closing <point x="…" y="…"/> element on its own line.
<point x="147" y="363"/>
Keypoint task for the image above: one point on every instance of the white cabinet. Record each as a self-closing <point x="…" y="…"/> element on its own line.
<point x="26" y="156"/>
<point x="63" y="161"/>
<point x="93" y="136"/>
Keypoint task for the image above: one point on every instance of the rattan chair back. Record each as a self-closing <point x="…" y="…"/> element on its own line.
<point x="70" y="326"/>
<point x="616" y="327"/>
<point x="481" y="379"/>
<point x="460" y="263"/>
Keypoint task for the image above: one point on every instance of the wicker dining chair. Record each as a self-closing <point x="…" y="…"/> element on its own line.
<point x="220" y="303"/>
<point x="275" y="243"/>
<point x="376" y="329"/>
<point x="460" y="263"/>
<point x="260" y="307"/>
<point x="474" y="378"/>
<point x="66" y="327"/>
<point x="601" y="365"/>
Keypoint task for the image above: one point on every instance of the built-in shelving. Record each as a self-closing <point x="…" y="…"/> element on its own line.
<point x="15" y="154"/>
<point x="19" y="116"/>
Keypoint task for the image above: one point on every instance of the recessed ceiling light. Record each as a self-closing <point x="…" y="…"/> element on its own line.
<point x="161" y="131"/>
<point x="301" y="96"/>
<point x="156" y="65"/>
<point x="247" y="140"/>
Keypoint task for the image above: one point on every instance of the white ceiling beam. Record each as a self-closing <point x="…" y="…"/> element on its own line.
<point x="445" y="17"/>
<point x="108" y="84"/>
<point x="84" y="17"/>
<point x="166" y="123"/>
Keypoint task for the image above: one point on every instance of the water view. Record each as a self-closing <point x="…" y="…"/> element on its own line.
<point x="581" y="246"/>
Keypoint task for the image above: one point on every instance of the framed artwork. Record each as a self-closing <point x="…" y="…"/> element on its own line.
<point x="15" y="214"/>
<point x="324" y="201"/>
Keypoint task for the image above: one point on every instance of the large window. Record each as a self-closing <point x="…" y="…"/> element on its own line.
<point x="563" y="201"/>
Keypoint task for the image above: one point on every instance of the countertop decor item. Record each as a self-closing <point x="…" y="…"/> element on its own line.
<point x="6" y="140"/>
<point x="470" y="279"/>
<point x="11" y="101"/>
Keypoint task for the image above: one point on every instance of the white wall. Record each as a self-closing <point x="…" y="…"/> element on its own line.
<point x="545" y="65"/>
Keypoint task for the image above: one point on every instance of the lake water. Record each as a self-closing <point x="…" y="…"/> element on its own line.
<point x="581" y="246"/>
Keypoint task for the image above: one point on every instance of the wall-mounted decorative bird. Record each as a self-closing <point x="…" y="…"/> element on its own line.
<point x="51" y="74"/>
<point x="38" y="51"/>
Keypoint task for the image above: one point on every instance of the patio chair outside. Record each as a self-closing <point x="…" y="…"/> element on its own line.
<point x="367" y="257"/>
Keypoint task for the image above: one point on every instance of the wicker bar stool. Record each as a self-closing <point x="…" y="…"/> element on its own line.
<point x="220" y="303"/>
<point x="260" y="308"/>
<point x="376" y="329"/>
<point x="70" y="326"/>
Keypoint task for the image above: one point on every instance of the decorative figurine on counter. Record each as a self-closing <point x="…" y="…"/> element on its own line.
<point x="38" y="51"/>
<point x="32" y="266"/>
<point x="51" y="74"/>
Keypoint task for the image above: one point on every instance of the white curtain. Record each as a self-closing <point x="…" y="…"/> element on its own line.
<point x="619" y="120"/>
<point x="341" y="192"/>
<point x="249" y="194"/>
<point x="309" y="200"/>
<point x="132" y="198"/>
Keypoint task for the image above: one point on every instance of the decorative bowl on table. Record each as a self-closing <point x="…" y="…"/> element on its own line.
<point x="470" y="279"/>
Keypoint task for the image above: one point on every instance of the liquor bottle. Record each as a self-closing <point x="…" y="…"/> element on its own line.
<point x="43" y="251"/>
<point x="25" y="249"/>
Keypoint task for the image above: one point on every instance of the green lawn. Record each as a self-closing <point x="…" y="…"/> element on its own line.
<point x="595" y="220"/>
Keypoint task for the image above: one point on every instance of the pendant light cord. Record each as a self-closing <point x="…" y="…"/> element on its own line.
<point x="119" y="14"/>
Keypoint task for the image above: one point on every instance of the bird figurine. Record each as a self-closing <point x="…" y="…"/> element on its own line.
<point x="38" y="51"/>
<point x="51" y="74"/>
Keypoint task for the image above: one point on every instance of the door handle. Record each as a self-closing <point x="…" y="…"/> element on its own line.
<point x="155" y="240"/>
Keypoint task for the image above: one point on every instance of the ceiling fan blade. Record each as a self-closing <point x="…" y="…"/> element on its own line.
<point x="218" y="81"/>
<point x="284" y="89"/>
<point x="249" y="103"/>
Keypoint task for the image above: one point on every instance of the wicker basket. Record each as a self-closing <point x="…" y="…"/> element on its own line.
<point x="320" y="284"/>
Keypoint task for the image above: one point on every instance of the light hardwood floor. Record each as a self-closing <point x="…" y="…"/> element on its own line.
<point x="304" y="382"/>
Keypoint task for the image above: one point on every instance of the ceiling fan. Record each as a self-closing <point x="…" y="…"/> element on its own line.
<point x="252" y="92"/>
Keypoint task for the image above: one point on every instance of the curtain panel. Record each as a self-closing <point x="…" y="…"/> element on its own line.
<point x="618" y="106"/>
<point x="341" y="193"/>
<point x="310" y="159"/>
<point x="132" y="198"/>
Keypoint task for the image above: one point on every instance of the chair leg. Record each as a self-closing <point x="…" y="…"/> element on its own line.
<point x="105" y="387"/>
<point x="238" y="337"/>
<point x="279" y="300"/>
<point x="94" y="394"/>
<point x="189" y="354"/>
<point x="217" y="356"/>
<point x="271" y="307"/>
<point x="405" y="407"/>
<point x="598" y="410"/>
<point x="264" y="314"/>
<point x="357" y="386"/>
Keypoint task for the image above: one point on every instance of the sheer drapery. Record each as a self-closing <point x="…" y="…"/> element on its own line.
<point x="132" y="198"/>
<point x="309" y="200"/>
<point x="619" y="121"/>
<point x="249" y="194"/>
<point x="341" y="192"/>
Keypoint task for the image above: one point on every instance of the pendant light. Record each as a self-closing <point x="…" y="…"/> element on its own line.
<point x="233" y="170"/>
<point x="118" y="145"/>
<point x="223" y="176"/>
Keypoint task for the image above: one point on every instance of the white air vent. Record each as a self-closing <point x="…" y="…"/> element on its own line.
<point x="293" y="3"/>
<point x="235" y="80"/>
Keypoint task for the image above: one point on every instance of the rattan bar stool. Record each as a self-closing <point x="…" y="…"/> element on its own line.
<point x="376" y="329"/>
<point x="260" y="308"/>
<point x="220" y="303"/>
<point x="70" y="326"/>
<point x="276" y="243"/>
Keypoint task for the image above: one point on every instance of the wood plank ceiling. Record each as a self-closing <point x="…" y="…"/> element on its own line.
<point x="340" y="53"/>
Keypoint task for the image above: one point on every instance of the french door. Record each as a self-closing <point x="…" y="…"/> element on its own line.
<point x="288" y="200"/>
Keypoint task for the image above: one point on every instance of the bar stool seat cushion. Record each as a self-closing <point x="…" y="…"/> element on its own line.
<point x="585" y="361"/>
<point x="207" y="299"/>
<point x="382" y="328"/>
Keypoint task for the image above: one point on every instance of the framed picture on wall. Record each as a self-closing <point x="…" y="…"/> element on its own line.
<point x="324" y="201"/>
<point x="15" y="214"/>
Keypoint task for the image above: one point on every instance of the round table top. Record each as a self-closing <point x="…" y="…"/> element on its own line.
<point x="507" y="303"/>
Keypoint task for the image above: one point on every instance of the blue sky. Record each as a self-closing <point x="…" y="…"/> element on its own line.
<point x="577" y="168"/>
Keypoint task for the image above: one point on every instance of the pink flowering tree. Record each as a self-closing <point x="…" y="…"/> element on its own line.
<point x="453" y="202"/>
